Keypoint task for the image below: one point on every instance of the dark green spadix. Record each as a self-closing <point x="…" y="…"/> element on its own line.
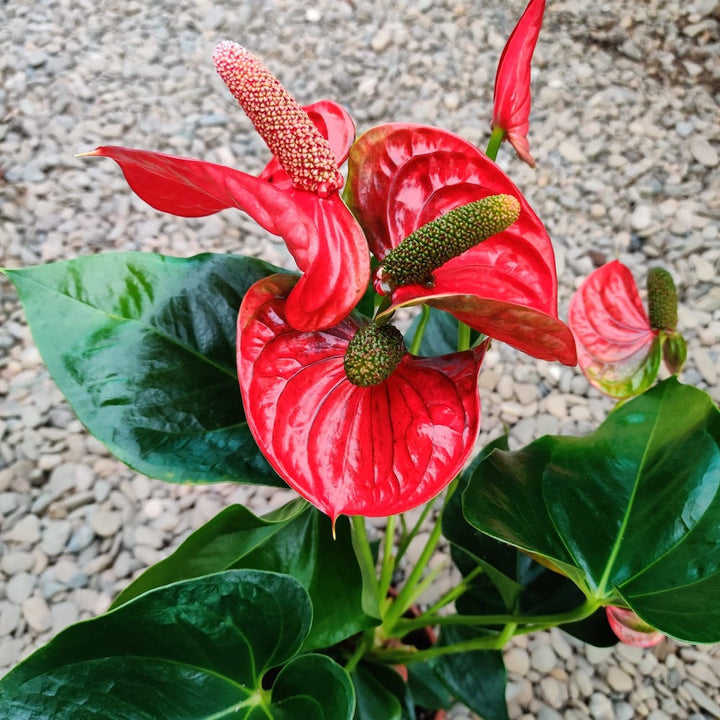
<point x="662" y="300"/>
<point x="432" y="245"/>
<point x="373" y="354"/>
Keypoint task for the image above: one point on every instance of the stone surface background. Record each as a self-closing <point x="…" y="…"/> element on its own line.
<point x="626" y="132"/>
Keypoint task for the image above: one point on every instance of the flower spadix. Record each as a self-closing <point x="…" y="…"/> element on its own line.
<point x="374" y="445"/>
<point x="620" y="345"/>
<point x="449" y="236"/>
<point x="295" y="197"/>
<point x="286" y="128"/>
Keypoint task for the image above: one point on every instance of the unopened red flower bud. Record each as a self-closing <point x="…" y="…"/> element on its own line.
<point x="662" y="300"/>
<point x="433" y="244"/>
<point x="373" y="354"/>
<point x="286" y="128"/>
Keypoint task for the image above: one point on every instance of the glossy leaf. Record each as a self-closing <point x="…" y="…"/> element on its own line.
<point x="402" y="176"/>
<point x="322" y="236"/>
<point x="511" y="581"/>
<point x="380" y="693"/>
<point x="296" y="540"/>
<point x="476" y="678"/>
<point x="427" y="688"/>
<point x="511" y="97"/>
<point x="631" y="512"/>
<point x="184" y="652"/>
<point x="617" y="350"/>
<point x="142" y="346"/>
<point x="352" y="450"/>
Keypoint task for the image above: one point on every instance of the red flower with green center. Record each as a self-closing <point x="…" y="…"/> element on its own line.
<point x="296" y="196"/>
<point x="403" y="176"/>
<point x="619" y="345"/>
<point x="381" y="444"/>
<point x="511" y="98"/>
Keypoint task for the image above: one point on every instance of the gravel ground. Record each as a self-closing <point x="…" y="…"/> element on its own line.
<point x="626" y="133"/>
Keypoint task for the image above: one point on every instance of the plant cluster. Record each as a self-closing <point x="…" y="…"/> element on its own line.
<point x="223" y="368"/>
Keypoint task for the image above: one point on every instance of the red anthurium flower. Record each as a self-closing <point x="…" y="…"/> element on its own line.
<point x="296" y="197"/>
<point x="631" y="629"/>
<point x="402" y="176"/>
<point x="371" y="450"/>
<point x="512" y="81"/>
<point x="618" y="351"/>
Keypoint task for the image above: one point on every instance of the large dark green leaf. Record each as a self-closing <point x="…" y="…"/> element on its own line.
<point x="381" y="693"/>
<point x="511" y="581"/>
<point x="297" y="540"/>
<point x="143" y="347"/>
<point x="631" y="512"/>
<point x="191" y="650"/>
<point x="476" y="678"/>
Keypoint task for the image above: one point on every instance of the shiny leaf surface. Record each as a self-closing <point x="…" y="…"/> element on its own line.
<point x="320" y="233"/>
<point x="142" y="346"/>
<point x="617" y="350"/>
<point x="188" y="651"/>
<point x="401" y="177"/>
<point x="295" y="539"/>
<point x="511" y="97"/>
<point x="631" y="512"/>
<point x="351" y="450"/>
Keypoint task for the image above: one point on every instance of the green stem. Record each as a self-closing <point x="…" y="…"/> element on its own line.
<point x="490" y="642"/>
<point x="463" y="342"/>
<point x="454" y="593"/>
<point x="408" y="594"/>
<point x="363" y="552"/>
<point x="422" y="324"/>
<point x="388" y="562"/>
<point x="357" y="655"/>
<point x="405" y="625"/>
<point x="498" y="135"/>
<point x="408" y="537"/>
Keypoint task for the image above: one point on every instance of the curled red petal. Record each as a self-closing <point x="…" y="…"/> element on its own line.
<point x="512" y="98"/>
<point x="617" y="350"/>
<point x="374" y="161"/>
<point x="334" y="123"/>
<point x="505" y="287"/>
<point x="631" y="629"/>
<point x="372" y="451"/>
<point x="320" y="233"/>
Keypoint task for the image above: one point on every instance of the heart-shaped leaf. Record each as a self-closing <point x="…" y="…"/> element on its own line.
<point x="511" y="581"/>
<point x="631" y="512"/>
<point x="143" y="348"/>
<point x="352" y="450"/>
<point x="188" y="651"/>
<point x="296" y="540"/>
<point x="617" y="350"/>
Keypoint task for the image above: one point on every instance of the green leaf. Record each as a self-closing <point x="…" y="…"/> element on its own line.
<point x="441" y="334"/>
<point x="426" y="687"/>
<point x="192" y="650"/>
<point x="297" y="540"/>
<point x="380" y="693"/>
<point x="143" y="347"/>
<point x="631" y="512"/>
<point x="476" y="678"/>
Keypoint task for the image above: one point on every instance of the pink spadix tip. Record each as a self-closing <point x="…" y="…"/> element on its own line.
<point x="286" y="128"/>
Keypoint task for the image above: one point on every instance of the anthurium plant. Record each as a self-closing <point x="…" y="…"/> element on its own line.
<point x="223" y="368"/>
